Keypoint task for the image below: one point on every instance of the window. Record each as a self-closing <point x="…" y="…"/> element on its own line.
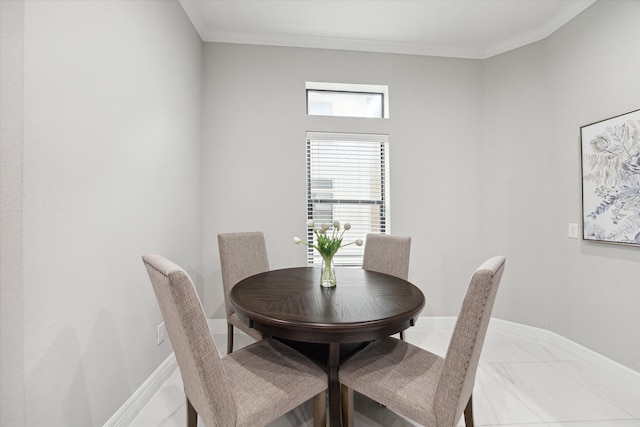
<point x="344" y="104"/>
<point x="348" y="181"/>
<point x="347" y="100"/>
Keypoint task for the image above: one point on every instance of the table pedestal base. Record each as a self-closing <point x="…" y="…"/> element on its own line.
<point x="328" y="357"/>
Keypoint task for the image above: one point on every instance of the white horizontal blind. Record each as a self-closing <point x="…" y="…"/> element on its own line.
<point x="347" y="181"/>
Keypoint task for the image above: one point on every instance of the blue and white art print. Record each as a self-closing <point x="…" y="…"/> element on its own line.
<point x="611" y="179"/>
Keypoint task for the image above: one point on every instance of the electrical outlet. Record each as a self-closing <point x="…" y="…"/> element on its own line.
<point x="162" y="332"/>
<point x="573" y="230"/>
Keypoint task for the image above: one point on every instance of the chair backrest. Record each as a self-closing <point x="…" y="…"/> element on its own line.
<point x="387" y="254"/>
<point x="205" y="383"/>
<point x="461" y="362"/>
<point x="241" y="255"/>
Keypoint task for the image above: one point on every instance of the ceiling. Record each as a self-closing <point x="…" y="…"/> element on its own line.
<point x="474" y="29"/>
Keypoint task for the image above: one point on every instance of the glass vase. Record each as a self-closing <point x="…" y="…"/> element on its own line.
<point x="328" y="273"/>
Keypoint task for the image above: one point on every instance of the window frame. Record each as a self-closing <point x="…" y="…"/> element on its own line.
<point x="313" y="258"/>
<point x="365" y="89"/>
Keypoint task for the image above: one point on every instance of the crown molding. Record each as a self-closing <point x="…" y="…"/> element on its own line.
<point x="336" y="43"/>
<point x="571" y="10"/>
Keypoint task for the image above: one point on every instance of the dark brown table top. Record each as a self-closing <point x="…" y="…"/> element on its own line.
<point x="290" y="303"/>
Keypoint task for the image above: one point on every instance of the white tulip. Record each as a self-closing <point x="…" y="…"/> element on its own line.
<point x="310" y="223"/>
<point x="297" y="240"/>
<point x="347" y="226"/>
<point x="359" y="242"/>
<point x="336" y="224"/>
<point x="325" y="227"/>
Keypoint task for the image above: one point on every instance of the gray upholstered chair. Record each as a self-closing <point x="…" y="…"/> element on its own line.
<point x="427" y="388"/>
<point x="253" y="386"/>
<point x="387" y="254"/>
<point x="241" y="255"/>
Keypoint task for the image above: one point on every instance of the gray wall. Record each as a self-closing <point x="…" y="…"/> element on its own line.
<point x="111" y="169"/>
<point x="109" y="164"/>
<point x="11" y="137"/>
<point x="594" y="73"/>
<point x="484" y="160"/>
<point x="254" y="156"/>
<point x="536" y="99"/>
<point x="516" y="173"/>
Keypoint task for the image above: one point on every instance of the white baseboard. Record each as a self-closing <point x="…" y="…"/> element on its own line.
<point x="132" y="407"/>
<point x="614" y="369"/>
<point x="138" y="400"/>
<point x="573" y="349"/>
<point x="125" y="415"/>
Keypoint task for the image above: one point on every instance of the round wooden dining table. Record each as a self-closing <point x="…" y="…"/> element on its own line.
<point x="290" y="304"/>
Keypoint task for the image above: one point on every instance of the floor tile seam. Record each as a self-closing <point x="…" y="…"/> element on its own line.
<point x="626" y="418"/>
<point x="552" y="354"/>
<point x="599" y="420"/>
<point x="595" y="390"/>
<point x="520" y="362"/>
<point x="516" y="424"/>
<point x="573" y="350"/>
<point x="538" y="338"/>
<point x="582" y="386"/>
<point x="516" y="393"/>
<point x="531" y="406"/>
<point x="580" y="422"/>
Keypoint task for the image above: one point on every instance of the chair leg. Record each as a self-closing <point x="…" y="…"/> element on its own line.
<point x="468" y="413"/>
<point x="192" y="415"/>
<point x="229" y="338"/>
<point x="320" y="409"/>
<point x="347" y="406"/>
<point x="402" y="335"/>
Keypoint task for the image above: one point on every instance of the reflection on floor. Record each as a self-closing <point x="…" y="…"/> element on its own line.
<point x="520" y="383"/>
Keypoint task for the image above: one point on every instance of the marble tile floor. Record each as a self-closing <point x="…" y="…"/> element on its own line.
<point x="520" y="383"/>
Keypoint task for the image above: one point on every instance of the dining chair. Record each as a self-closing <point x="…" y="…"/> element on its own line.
<point x="241" y="255"/>
<point x="418" y="384"/>
<point x="252" y="386"/>
<point x="387" y="254"/>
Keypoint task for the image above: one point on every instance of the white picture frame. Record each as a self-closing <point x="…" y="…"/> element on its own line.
<point x="610" y="169"/>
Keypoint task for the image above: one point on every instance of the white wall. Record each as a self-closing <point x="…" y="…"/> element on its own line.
<point x="112" y="102"/>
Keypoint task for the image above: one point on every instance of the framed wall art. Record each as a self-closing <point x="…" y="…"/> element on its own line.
<point x="611" y="179"/>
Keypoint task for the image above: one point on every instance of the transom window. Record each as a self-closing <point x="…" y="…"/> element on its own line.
<point x="347" y="100"/>
<point x="347" y="181"/>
